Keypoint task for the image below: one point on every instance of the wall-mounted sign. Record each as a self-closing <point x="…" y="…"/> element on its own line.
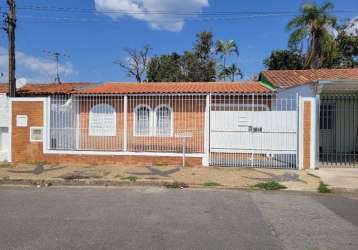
<point x="102" y="120"/>
<point x="21" y="121"/>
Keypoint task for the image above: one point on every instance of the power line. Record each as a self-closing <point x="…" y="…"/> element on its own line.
<point x="168" y="16"/>
<point x="164" y="12"/>
<point x="79" y="19"/>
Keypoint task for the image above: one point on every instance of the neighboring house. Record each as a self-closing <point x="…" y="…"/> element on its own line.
<point x="29" y="90"/>
<point x="4" y="123"/>
<point x="290" y="83"/>
<point x="336" y="93"/>
<point x="49" y="89"/>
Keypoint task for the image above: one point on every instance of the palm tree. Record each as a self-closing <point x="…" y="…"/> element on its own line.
<point x="226" y="48"/>
<point x="232" y="71"/>
<point x="313" y="26"/>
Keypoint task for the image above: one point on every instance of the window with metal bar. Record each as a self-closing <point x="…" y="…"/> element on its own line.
<point x="102" y="120"/>
<point x="142" y="121"/>
<point x="163" y="121"/>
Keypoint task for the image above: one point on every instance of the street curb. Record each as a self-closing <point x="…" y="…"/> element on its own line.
<point x="108" y="183"/>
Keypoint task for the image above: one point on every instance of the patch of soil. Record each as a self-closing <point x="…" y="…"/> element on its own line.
<point x="80" y="175"/>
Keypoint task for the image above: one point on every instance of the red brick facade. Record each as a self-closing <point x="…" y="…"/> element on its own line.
<point x="188" y="116"/>
<point x="24" y="151"/>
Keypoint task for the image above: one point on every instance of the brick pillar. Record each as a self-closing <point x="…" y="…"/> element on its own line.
<point x="307" y="133"/>
<point x="31" y="111"/>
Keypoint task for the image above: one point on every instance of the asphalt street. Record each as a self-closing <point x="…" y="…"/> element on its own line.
<point x="158" y="218"/>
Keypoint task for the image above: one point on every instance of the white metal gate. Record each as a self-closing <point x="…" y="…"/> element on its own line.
<point x="253" y="131"/>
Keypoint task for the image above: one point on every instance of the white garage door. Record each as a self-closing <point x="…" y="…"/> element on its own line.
<point x="254" y="138"/>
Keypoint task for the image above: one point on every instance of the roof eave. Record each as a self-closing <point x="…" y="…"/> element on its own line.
<point x="337" y="86"/>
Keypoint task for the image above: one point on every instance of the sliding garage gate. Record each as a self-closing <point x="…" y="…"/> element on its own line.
<point x="253" y="131"/>
<point x="338" y="137"/>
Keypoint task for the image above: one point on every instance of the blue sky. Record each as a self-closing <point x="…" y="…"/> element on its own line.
<point x="95" y="39"/>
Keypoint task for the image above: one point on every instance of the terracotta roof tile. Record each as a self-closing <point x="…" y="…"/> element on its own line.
<point x="289" y="78"/>
<point x="53" y="88"/>
<point x="178" y="87"/>
<point x="3" y="88"/>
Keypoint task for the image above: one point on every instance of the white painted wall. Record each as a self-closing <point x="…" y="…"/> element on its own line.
<point x="4" y="127"/>
<point x="4" y="144"/>
<point x="286" y="98"/>
<point x="4" y="111"/>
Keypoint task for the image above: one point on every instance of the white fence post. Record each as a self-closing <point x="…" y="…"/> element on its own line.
<point x="125" y="125"/>
<point x="207" y="132"/>
<point x="46" y="123"/>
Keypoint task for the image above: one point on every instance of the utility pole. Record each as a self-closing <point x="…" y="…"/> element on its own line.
<point x="10" y="29"/>
<point x="56" y="55"/>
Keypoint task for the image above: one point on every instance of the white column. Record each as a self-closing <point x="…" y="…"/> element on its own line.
<point x="76" y="103"/>
<point x="207" y="132"/>
<point x="125" y="123"/>
<point x="9" y="151"/>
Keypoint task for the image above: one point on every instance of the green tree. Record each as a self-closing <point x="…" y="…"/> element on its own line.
<point x="225" y="49"/>
<point x="165" y="68"/>
<point x="197" y="65"/>
<point x="201" y="61"/>
<point x="284" y="60"/>
<point x="231" y="71"/>
<point x="313" y="25"/>
<point x="347" y="50"/>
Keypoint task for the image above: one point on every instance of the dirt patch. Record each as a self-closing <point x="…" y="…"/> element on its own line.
<point x="157" y="175"/>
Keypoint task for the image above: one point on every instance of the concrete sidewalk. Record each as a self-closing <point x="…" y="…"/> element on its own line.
<point x="155" y="175"/>
<point x="345" y="179"/>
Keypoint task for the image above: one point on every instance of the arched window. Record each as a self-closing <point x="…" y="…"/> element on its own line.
<point x="102" y="120"/>
<point x="142" y="119"/>
<point x="163" y="121"/>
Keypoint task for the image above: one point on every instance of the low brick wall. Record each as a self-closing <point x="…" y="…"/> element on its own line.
<point x="24" y="151"/>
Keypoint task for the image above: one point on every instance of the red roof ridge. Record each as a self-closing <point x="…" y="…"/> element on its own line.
<point x="176" y="87"/>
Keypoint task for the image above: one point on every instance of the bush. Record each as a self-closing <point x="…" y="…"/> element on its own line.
<point x="323" y="188"/>
<point x="271" y="185"/>
<point x="131" y="178"/>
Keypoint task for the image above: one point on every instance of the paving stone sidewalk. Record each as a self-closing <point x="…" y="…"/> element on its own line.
<point x="42" y="174"/>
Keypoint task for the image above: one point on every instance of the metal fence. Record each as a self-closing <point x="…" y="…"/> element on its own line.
<point x="338" y="143"/>
<point x="135" y="123"/>
<point x="253" y="131"/>
<point x="258" y="130"/>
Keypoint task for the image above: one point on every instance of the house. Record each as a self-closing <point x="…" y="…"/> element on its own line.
<point x="336" y="93"/>
<point x="4" y="123"/>
<point x="288" y="119"/>
<point x="127" y="123"/>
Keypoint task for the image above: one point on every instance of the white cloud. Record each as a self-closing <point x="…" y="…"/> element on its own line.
<point x="33" y="69"/>
<point x="152" y="11"/>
